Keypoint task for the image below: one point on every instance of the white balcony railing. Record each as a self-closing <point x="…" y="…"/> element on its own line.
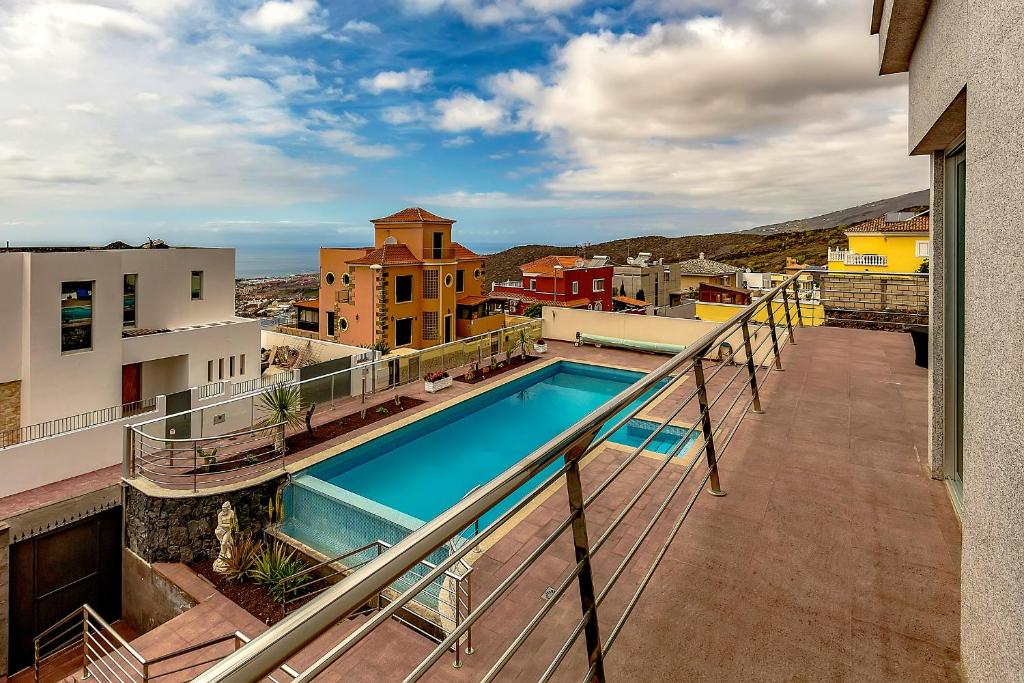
<point x="508" y="283"/>
<point x="849" y="258"/>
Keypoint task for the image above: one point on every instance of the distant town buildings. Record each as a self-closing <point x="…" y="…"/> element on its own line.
<point x="897" y="242"/>
<point x="563" y="281"/>
<point x="414" y="288"/>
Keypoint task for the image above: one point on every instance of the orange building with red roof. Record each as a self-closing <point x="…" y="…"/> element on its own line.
<point x="564" y="281"/>
<point x="414" y="287"/>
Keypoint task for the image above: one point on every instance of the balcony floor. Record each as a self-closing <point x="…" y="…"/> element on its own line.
<point x="833" y="555"/>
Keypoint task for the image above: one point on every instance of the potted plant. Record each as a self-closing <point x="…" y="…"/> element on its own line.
<point x="540" y="346"/>
<point x="436" y="381"/>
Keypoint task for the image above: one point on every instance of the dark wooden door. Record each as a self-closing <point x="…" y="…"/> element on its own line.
<point x="131" y="383"/>
<point x="55" y="573"/>
<point x="448" y="329"/>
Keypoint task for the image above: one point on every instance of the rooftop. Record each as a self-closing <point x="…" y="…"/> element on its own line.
<point x="413" y="214"/>
<point x="387" y="255"/>
<point x="888" y="223"/>
<point x="704" y="266"/>
<point x="554" y="266"/>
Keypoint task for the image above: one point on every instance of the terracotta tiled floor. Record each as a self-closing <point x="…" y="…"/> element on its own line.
<point x="833" y="555"/>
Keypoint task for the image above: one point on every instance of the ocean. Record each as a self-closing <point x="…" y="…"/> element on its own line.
<point x="263" y="260"/>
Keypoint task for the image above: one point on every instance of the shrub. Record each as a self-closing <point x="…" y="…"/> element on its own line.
<point x="283" y="406"/>
<point x="436" y="375"/>
<point x="242" y="553"/>
<point x="275" y="567"/>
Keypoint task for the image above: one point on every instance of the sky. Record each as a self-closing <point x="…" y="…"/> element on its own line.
<point x="278" y="125"/>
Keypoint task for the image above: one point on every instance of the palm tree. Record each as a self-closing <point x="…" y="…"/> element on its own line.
<point x="283" y="406"/>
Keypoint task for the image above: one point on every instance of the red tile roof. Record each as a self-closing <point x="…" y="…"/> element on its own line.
<point x="462" y="252"/>
<point x="308" y="303"/>
<point x="413" y="214"/>
<point x="387" y="255"/>
<point x="472" y="299"/>
<point x="918" y="223"/>
<point x="630" y="301"/>
<point x="546" y="265"/>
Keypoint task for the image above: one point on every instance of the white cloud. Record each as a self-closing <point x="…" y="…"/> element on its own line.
<point x="359" y="26"/>
<point x="400" y="115"/>
<point x="494" y="12"/>
<point x="157" y="104"/>
<point x="278" y="16"/>
<point x="776" y="112"/>
<point x="457" y="141"/>
<point x="466" y="111"/>
<point x="412" y="79"/>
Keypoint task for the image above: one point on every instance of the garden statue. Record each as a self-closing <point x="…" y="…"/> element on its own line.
<point x="227" y="525"/>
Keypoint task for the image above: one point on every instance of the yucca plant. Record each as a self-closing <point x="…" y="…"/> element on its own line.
<point x="242" y="552"/>
<point x="276" y="567"/>
<point x="283" y="406"/>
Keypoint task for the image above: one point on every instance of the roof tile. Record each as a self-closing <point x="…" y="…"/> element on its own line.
<point x="413" y="214"/>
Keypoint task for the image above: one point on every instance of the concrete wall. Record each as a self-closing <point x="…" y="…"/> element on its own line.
<point x="148" y="599"/>
<point x="938" y="67"/>
<point x="44" y="461"/>
<point x="563" y="324"/>
<point x="893" y="293"/>
<point x="993" y="520"/>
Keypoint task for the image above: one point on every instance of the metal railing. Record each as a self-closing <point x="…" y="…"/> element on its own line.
<point x="514" y="284"/>
<point x="443" y="604"/>
<point x="722" y="394"/>
<point x="107" y="657"/>
<point x="62" y="425"/>
<point x="231" y="440"/>
<point x="211" y="389"/>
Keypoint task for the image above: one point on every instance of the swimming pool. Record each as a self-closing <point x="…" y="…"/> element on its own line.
<point x="386" y="487"/>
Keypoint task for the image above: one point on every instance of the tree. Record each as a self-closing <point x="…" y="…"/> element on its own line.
<point x="923" y="268"/>
<point x="640" y="295"/>
<point x="622" y="289"/>
<point x="533" y="311"/>
<point x="283" y="406"/>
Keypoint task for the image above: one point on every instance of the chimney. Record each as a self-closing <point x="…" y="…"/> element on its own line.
<point x="701" y="257"/>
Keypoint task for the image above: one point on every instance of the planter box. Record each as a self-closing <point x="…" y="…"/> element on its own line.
<point x="540" y="348"/>
<point x="438" y="385"/>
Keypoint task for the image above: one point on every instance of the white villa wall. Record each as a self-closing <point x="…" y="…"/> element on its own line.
<point x="38" y="463"/>
<point x="56" y="384"/>
<point x="325" y="350"/>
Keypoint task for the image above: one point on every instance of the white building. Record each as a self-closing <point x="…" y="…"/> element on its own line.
<point x="93" y="328"/>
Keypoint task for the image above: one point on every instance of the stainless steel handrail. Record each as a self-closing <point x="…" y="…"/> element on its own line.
<point x="294" y="632"/>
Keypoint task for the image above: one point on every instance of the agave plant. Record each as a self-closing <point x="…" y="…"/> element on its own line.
<point x="283" y="406"/>
<point x="275" y="567"/>
<point x="242" y="553"/>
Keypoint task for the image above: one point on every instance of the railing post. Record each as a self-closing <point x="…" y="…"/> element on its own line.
<point x="85" y="644"/>
<point x="775" y="336"/>
<point x="468" y="578"/>
<point x="796" y="297"/>
<point x="195" y="466"/>
<point x="705" y="419"/>
<point x="581" y="542"/>
<point x="789" y="318"/>
<point x="458" y="622"/>
<point x="751" y="369"/>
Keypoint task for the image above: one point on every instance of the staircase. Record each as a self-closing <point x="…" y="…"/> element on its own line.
<point x="83" y="646"/>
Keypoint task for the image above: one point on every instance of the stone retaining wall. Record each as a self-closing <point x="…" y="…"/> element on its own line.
<point x="181" y="529"/>
<point x="875" y="292"/>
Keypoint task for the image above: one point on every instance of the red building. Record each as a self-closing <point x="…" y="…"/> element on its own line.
<point x="565" y="281"/>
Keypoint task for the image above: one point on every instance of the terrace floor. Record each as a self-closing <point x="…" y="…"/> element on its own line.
<point x="833" y="555"/>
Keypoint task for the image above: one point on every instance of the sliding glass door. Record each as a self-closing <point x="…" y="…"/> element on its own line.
<point x="955" y="234"/>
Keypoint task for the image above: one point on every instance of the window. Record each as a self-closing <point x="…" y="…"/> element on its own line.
<point x="478" y="273"/>
<point x="533" y="284"/>
<point x="343" y="324"/>
<point x="403" y="289"/>
<point x="346" y="279"/>
<point x="241" y="364"/>
<point x="329" y="278"/>
<point x="197" y="285"/>
<point x="924" y="248"/>
<point x="575" y="288"/>
<point x="209" y="371"/>
<point x="430" y="327"/>
<point x="597" y="305"/>
<point x="220" y="368"/>
<point x="448" y="280"/>
<point x="231" y="366"/>
<point x="75" y="316"/>
<point x="430" y="284"/>
<point x="130" y="281"/>
<point x="403" y="332"/>
<point x="599" y="284"/>
<point x="460" y="280"/>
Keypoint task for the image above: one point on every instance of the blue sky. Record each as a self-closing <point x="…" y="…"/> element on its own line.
<point x="290" y="123"/>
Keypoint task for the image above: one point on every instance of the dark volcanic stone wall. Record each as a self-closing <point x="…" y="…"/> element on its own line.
<point x="181" y="529"/>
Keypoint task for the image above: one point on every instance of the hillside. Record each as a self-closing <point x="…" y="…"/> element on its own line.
<point x="760" y="249"/>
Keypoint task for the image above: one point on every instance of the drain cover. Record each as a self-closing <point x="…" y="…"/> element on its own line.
<point x="548" y="593"/>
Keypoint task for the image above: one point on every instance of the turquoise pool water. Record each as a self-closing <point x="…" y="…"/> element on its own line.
<point x="392" y="484"/>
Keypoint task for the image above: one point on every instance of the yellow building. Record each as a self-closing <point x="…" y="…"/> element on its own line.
<point x="414" y="288"/>
<point x="893" y="243"/>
